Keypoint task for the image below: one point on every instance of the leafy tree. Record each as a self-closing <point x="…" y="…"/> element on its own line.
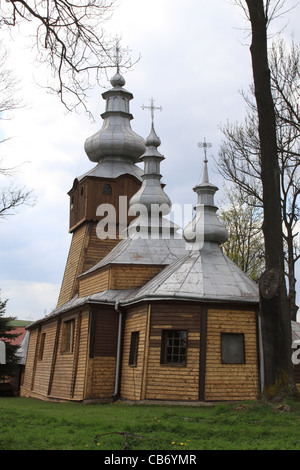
<point x="245" y="245"/>
<point x="7" y="336"/>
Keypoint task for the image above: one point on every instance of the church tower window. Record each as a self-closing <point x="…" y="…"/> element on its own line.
<point x="107" y="189"/>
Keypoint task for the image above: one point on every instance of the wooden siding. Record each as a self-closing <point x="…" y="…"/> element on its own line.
<point x="203" y="376"/>
<point x="102" y="354"/>
<point x="74" y="262"/>
<point x="57" y="374"/>
<point x="87" y="195"/>
<point x="86" y="250"/>
<point x="93" y="283"/>
<point x="132" y="376"/>
<point x="131" y="277"/>
<point x="43" y="367"/>
<point x="69" y="370"/>
<point x="38" y="370"/>
<point x="231" y="381"/>
<point x="102" y="377"/>
<point x="30" y="359"/>
<point x="96" y="249"/>
<point x="173" y="382"/>
<point x="116" y="277"/>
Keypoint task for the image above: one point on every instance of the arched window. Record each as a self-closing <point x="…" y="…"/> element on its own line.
<point x="107" y="189"/>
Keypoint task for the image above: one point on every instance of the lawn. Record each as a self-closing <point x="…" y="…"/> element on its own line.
<point x="28" y="424"/>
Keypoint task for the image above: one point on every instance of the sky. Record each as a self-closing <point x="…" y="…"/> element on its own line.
<point x="194" y="62"/>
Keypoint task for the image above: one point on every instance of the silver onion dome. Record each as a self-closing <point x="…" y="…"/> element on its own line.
<point x="116" y="139"/>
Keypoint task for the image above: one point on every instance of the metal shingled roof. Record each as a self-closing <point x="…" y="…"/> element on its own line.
<point x="206" y="275"/>
<point x="113" y="168"/>
<point x="144" y="252"/>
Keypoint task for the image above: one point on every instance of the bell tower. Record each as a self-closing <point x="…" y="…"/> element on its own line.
<point x="115" y="149"/>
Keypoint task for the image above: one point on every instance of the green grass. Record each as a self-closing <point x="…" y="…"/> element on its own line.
<point x="28" y="424"/>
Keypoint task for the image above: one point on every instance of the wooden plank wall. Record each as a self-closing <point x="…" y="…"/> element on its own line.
<point x="56" y="374"/>
<point x="43" y="366"/>
<point x="73" y="265"/>
<point x="86" y="250"/>
<point x="124" y="185"/>
<point x="88" y="194"/>
<point x="96" y="249"/>
<point x="155" y="381"/>
<point x="173" y="382"/>
<point x="26" y="387"/>
<point x="93" y="283"/>
<point x="132" y="376"/>
<point x="38" y="370"/>
<point x="103" y="351"/>
<point x="131" y="277"/>
<point x="69" y="370"/>
<point x="231" y="381"/>
<point x="116" y="277"/>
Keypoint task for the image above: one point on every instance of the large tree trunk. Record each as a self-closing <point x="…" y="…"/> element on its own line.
<point x="275" y="316"/>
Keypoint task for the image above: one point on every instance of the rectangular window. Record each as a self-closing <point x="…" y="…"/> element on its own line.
<point x="134" y="345"/>
<point x="174" y="347"/>
<point x="233" y="348"/>
<point x="42" y="346"/>
<point x="68" y="336"/>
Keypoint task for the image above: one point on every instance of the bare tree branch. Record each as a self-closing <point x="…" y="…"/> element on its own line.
<point x="239" y="156"/>
<point x="70" y="38"/>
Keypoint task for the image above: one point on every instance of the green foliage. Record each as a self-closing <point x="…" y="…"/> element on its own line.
<point x="6" y="335"/>
<point x="28" y="424"/>
<point x="243" y="220"/>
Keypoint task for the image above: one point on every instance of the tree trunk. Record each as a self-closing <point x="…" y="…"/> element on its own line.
<point x="291" y="273"/>
<point x="275" y="316"/>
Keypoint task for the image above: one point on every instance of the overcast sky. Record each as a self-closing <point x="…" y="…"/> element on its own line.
<point x="194" y="61"/>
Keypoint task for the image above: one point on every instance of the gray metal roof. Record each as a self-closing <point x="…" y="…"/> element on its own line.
<point x="144" y="252"/>
<point x="295" y="331"/>
<point x="206" y="275"/>
<point x="111" y="168"/>
<point x="109" y="297"/>
<point x="22" y="350"/>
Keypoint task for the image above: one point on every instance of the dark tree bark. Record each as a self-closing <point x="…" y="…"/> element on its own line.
<point x="275" y="316"/>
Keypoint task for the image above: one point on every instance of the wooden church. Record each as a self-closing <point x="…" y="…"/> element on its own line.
<point x="145" y="312"/>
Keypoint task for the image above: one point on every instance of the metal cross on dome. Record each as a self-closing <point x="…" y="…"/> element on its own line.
<point x="205" y="145"/>
<point x="117" y="56"/>
<point x="152" y="108"/>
